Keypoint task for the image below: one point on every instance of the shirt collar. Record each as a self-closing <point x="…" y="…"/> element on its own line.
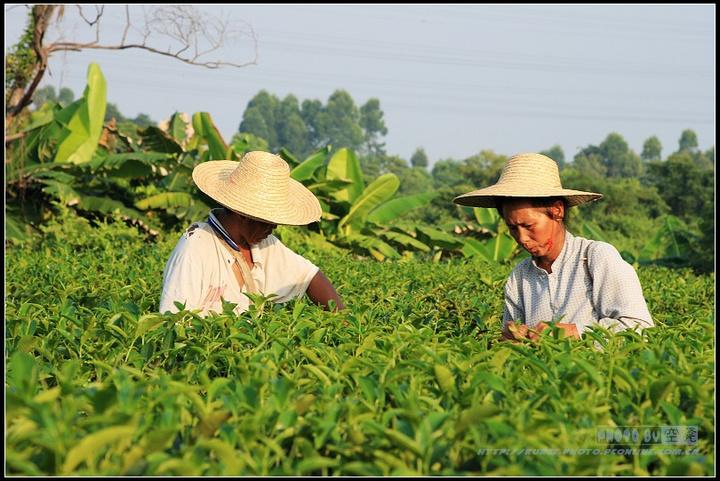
<point x="564" y="253"/>
<point x="220" y="229"/>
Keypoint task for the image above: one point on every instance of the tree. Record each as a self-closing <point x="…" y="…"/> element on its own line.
<point x="292" y="133"/>
<point x="477" y="171"/>
<point x="612" y="155"/>
<point x="688" y="141"/>
<point x="483" y="169"/>
<point x="652" y="149"/>
<point x="446" y="173"/>
<point x="590" y="164"/>
<point x="686" y="186"/>
<point x="338" y="124"/>
<point x="419" y="158"/>
<point x="619" y="159"/>
<point x="143" y="120"/>
<point x="47" y="94"/>
<point x="309" y="111"/>
<point x="371" y="121"/>
<point x="556" y="153"/>
<point x="415" y="180"/>
<point x="259" y="117"/>
<point x="189" y="34"/>
<point x="113" y="112"/>
<point x="305" y="128"/>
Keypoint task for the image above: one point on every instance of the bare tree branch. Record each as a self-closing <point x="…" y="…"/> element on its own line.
<point x="127" y="24"/>
<point x="100" y="10"/>
<point x="192" y="36"/>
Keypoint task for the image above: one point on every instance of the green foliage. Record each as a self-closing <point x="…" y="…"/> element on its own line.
<point x="47" y="94"/>
<point x="499" y="246"/>
<point x="409" y="379"/>
<point x="652" y="149"/>
<point x="305" y="128"/>
<point x="140" y="121"/>
<point x="355" y="215"/>
<point x="685" y="186"/>
<point x="83" y="123"/>
<point x="344" y="165"/>
<point x="688" y="141"/>
<point x="482" y="169"/>
<point x="671" y="243"/>
<point x="419" y="158"/>
<point x="70" y="159"/>
<point x="612" y="157"/>
<point x="20" y="61"/>
<point x="380" y="191"/>
<point x="67" y="157"/>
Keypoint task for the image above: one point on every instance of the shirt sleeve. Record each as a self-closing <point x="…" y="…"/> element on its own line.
<point x="617" y="294"/>
<point x="513" y="310"/>
<point x="288" y="274"/>
<point x="182" y="279"/>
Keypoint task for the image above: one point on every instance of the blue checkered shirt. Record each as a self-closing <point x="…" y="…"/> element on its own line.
<point x="590" y="284"/>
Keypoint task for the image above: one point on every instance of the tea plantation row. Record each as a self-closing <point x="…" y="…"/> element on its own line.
<point x="408" y="380"/>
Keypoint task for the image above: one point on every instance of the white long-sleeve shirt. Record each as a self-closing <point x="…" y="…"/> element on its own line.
<point x="590" y="284"/>
<point x="199" y="272"/>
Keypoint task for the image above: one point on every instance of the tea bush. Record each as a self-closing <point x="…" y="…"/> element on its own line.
<point x="408" y="380"/>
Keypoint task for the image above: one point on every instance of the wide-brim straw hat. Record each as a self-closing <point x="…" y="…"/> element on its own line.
<point x="526" y="175"/>
<point x="258" y="186"/>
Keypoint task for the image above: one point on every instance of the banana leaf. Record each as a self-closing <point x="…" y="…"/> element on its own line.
<point x="381" y="190"/>
<point x="105" y="205"/>
<point x="438" y="238"/>
<point x="157" y="140"/>
<point x="344" y="165"/>
<point x="86" y="122"/>
<point x="307" y="168"/>
<point x="15" y="229"/>
<point x="671" y="241"/>
<point x="376" y="247"/>
<point x="405" y="240"/>
<point x="61" y="191"/>
<point x="395" y="208"/>
<point x="115" y="161"/>
<point x="177" y="128"/>
<point x="497" y="249"/>
<point x="487" y="218"/>
<point x="165" y="200"/>
<point x="206" y="130"/>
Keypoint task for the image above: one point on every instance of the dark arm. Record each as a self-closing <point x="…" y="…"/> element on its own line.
<point x="321" y="291"/>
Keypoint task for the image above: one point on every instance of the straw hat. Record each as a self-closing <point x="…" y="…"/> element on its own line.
<point x="258" y="186"/>
<point x="526" y="175"/>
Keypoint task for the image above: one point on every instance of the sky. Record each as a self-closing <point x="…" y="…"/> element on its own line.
<point x="452" y="79"/>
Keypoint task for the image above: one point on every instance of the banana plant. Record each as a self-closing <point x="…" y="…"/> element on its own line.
<point x="499" y="247"/>
<point x="58" y="154"/>
<point x="355" y="215"/>
<point x="671" y="242"/>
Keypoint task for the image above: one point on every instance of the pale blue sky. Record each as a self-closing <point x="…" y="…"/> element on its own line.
<point x="454" y="79"/>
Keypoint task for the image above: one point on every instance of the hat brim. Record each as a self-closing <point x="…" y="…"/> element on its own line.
<point x="486" y="197"/>
<point x="299" y="208"/>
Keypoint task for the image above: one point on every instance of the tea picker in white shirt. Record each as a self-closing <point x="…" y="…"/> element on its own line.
<point x="571" y="281"/>
<point x="234" y="252"/>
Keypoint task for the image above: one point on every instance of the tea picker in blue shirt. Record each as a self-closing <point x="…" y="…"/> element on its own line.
<point x="571" y="281"/>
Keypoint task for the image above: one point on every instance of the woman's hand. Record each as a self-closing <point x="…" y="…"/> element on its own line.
<point x="514" y="332"/>
<point x="517" y="332"/>
<point x="569" y="330"/>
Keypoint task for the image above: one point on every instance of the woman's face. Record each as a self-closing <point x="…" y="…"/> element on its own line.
<point x="532" y="227"/>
